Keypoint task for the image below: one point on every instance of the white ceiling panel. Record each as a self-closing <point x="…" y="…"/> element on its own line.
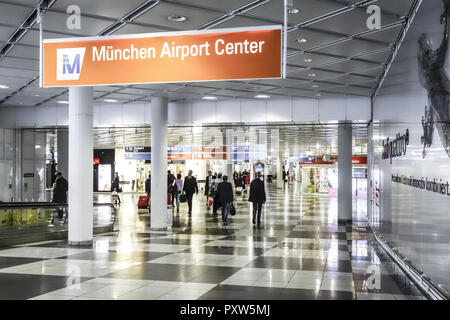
<point x="16" y="73"/>
<point x="19" y="64"/>
<point x="308" y="10"/>
<point x="25" y="52"/>
<point x="227" y="5"/>
<point x="5" y="33"/>
<point x="193" y="89"/>
<point x="109" y="8"/>
<point x="159" y="16"/>
<point x="13" y="14"/>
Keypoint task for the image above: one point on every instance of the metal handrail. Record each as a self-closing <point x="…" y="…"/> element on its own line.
<point x="9" y="205"/>
<point x="424" y="282"/>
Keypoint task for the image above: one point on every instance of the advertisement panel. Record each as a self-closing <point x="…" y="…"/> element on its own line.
<point x="410" y="179"/>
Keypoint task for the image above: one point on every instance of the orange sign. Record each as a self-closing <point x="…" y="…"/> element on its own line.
<point x="210" y="153"/>
<point x="206" y="55"/>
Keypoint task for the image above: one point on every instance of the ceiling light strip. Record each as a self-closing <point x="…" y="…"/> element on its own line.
<point x="397" y="45"/>
<point x="136" y="13"/>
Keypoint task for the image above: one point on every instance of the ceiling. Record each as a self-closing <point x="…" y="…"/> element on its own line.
<point x="340" y="55"/>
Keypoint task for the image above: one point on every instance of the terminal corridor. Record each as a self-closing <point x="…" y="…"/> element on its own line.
<point x="299" y="252"/>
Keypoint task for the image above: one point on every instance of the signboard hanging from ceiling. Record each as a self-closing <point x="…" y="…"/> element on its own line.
<point x="187" y="56"/>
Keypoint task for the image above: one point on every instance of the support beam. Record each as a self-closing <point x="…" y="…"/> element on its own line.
<point x="81" y="146"/>
<point x="345" y="173"/>
<point x="159" y="120"/>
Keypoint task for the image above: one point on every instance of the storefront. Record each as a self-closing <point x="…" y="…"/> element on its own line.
<point x="320" y="175"/>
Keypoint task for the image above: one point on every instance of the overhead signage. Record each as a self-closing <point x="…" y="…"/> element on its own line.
<point x="138" y="156"/>
<point x="137" y="149"/>
<point x="187" y="56"/>
<point x="332" y="160"/>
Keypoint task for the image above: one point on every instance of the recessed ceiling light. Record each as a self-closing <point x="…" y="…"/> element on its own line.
<point x="315" y="86"/>
<point x="209" y="98"/>
<point x="262" y="96"/>
<point x="36" y="95"/>
<point x="301" y="40"/>
<point x="110" y="100"/>
<point x="293" y="10"/>
<point x="63" y="102"/>
<point x="176" y="18"/>
<point x="2" y="86"/>
<point x="308" y="60"/>
<point x="312" y="74"/>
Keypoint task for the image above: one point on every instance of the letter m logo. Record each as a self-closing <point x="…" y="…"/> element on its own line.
<point x="69" y="63"/>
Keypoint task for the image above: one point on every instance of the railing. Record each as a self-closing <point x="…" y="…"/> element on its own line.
<point x="426" y="285"/>
<point x="28" y="214"/>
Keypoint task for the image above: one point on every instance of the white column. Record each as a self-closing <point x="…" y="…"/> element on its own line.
<point x="228" y="163"/>
<point x="159" y="120"/>
<point x="345" y="173"/>
<point x="369" y="173"/>
<point x="279" y="170"/>
<point x="63" y="151"/>
<point x="81" y="148"/>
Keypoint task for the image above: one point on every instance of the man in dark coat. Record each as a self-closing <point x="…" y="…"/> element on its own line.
<point x="257" y="197"/>
<point x="148" y="185"/>
<point x="190" y="187"/>
<point x="60" y="189"/>
<point x="60" y="192"/>
<point x="115" y="186"/>
<point x="225" y="195"/>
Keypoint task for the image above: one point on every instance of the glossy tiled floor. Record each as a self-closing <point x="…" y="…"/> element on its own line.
<point x="299" y="252"/>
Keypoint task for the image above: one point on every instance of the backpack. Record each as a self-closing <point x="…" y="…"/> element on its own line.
<point x="175" y="188"/>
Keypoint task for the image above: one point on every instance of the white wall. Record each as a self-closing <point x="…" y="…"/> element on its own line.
<point x="339" y="107"/>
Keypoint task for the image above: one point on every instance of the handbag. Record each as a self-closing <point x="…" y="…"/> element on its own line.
<point x="232" y="209"/>
<point x="183" y="198"/>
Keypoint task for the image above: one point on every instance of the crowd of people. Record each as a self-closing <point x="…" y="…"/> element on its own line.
<point x="218" y="191"/>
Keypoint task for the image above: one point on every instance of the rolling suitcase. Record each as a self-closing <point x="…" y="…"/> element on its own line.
<point x="143" y="202"/>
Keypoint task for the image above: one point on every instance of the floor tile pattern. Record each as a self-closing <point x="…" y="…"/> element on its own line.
<point x="299" y="252"/>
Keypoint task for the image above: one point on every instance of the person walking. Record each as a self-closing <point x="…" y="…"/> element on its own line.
<point x="60" y="188"/>
<point x="170" y="179"/>
<point x="148" y="185"/>
<point x="257" y="197"/>
<point x="115" y="186"/>
<point x="208" y="184"/>
<point x="225" y="193"/>
<point x="235" y="176"/>
<point x="190" y="187"/>
<point x="179" y="186"/>
<point x="216" y="200"/>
